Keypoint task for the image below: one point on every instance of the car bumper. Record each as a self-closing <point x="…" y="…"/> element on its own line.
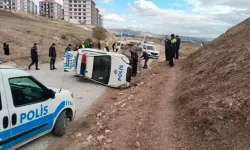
<point x="154" y="57"/>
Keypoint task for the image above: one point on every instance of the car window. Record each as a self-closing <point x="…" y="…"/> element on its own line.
<point x="118" y="44"/>
<point x="152" y="48"/>
<point x="26" y="91"/>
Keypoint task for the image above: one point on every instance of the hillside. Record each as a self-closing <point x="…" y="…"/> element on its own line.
<point x="214" y="94"/>
<point x="22" y="30"/>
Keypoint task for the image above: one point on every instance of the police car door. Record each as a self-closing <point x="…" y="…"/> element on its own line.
<point x="5" y="132"/>
<point x="29" y="109"/>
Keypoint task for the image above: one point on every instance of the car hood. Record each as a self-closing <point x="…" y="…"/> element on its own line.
<point x="152" y="51"/>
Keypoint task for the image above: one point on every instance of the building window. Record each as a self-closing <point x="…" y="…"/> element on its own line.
<point x="84" y="13"/>
<point x="79" y="9"/>
<point x="79" y="1"/>
<point x="70" y="1"/>
<point x="75" y="5"/>
<point x="84" y="5"/>
<point x="75" y="9"/>
<point x="79" y="5"/>
<point x="70" y="17"/>
<point x="70" y="5"/>
<point x="75" y="1"/>
<point x="80" y="17"/>
<point x="84" y="17"/>
<point x="70" y="9"/>
<point x="84" y="9"/>
<point x="79" y="13"/>
<point x="75" y="17"/>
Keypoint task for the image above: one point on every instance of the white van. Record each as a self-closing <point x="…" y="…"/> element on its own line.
<point x="28" y="109"/>
<point x="106" y="68"/>
<point x="151" y="51"/>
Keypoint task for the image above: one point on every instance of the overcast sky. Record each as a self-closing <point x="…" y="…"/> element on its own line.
<point x="202" y="18"/>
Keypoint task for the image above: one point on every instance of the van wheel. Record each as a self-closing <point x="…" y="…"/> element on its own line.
<point x="61" y="124"/>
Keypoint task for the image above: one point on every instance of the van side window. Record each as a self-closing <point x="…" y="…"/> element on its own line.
<point x="26" y="91"/>
<point x="101" y="69"/>
<point x="0" y="102"/>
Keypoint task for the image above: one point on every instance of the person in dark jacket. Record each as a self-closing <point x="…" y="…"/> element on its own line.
<point x="134" y="58"/>
<point x="167" y="46"/>
<point x="76" y="48"/>
<point x="52" y="55"/>
<point x="6" y="49"/>
<point x="34" y="56"/>
<point x="99" y="45"/>
<point x="113" y="47"/>
<point x="145" y="56"/>
<point x="172" y="50"/>
<point x="178" y="43"/>
<point x="68" y="48"/>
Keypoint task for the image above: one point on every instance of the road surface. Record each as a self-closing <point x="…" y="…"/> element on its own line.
<point x="85" y="94"/>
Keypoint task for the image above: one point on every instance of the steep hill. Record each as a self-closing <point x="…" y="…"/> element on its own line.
<point x="215" y="92"/>
<point x="22" y="30"/>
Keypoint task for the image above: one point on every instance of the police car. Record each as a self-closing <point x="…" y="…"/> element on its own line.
<point x="106" y="68"/>
<point x="28" y="109"/>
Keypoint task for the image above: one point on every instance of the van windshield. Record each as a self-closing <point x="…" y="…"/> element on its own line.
<point x="101" y="69"/>
<point x="118" y="44"/>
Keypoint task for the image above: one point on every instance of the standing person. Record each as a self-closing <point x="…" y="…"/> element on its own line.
<point x="134" y="63"/>
<point x="167" y="46"/>
<point x="107" y="45"/>
<point x="113" y="46"/>
<point x="6" y="49"/>
<point x="34" y="56"/>
<point x="83" y="45"/>
<point x="146" y="58"/>
<point x="172" y="50"/>
<point x="178" y="43"/>
<point x="68" y="48"/>
<point x="76" y="48"/>
<point x="90" y="45"/>
<point x="99" y="45"/>
<point x="52" y="55"/>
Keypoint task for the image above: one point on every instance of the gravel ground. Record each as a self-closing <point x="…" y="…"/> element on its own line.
<point x="85" y="93"/>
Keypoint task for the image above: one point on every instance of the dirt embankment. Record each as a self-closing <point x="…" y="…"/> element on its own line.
<point x="142" y="117"/>
<point x="213" y="97"/>
<point x="21" y="31"/>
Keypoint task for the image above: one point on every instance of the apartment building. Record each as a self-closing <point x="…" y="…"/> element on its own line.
<point x="100" y="20"/>
<point x="81" y="12"/>
<point x="51" y="9"/>
<point x="27" y="6"/>
<point x="8" y="4"/>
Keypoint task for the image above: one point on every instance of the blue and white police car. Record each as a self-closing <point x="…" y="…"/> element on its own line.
<point x="106" y="68"/>
<point x="28" y="109"/>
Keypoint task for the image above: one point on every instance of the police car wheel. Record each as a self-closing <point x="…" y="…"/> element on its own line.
<point x="61" y="124"/>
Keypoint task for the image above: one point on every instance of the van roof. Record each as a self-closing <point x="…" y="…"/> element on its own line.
<point x="6" y="67"/>
<point x="101" y="52"/>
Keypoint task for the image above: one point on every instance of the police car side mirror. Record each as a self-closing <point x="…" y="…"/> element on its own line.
<point x="50" y="94"/>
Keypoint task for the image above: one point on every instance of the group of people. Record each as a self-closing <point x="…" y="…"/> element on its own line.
<point x="172" y="46"/>
<point x="52" y="55"/>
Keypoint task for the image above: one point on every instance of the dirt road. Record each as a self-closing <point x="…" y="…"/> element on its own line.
<point x="85" y="94"/>
<point x="142" y="117"/>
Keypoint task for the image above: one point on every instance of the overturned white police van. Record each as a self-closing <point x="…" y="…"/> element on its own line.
<point x="106" y="68"/>
<point x="28" y="109"/>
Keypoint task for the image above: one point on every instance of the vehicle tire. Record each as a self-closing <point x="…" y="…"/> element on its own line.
<point x="61" y="124"/>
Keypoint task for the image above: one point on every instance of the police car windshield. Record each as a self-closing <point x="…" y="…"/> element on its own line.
<point x="152" y="48"/>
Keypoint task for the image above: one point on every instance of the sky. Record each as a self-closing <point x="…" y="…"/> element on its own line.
<point x="199" y="18"/>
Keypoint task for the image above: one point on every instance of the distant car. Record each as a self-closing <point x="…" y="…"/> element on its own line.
<point x="150" y="42"/>
<point x="119" y="44"/>
<point x="151" y="50"/>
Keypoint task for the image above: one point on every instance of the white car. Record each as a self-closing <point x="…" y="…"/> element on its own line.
<point x="119" y="44"/>
<point x="28" y="109"/>
<point x="106" y="68"/>
<point x="151" y="51"/>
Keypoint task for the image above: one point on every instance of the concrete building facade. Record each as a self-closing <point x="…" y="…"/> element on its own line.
<point x="51" y="9"/>
<point x="81" y="12"/>
<point x="27" y="6"/>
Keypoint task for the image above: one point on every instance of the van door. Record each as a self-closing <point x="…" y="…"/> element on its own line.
<point x="30" y="110"/>
<point x="5" y="132"/>
<point x="101" y="69"/>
